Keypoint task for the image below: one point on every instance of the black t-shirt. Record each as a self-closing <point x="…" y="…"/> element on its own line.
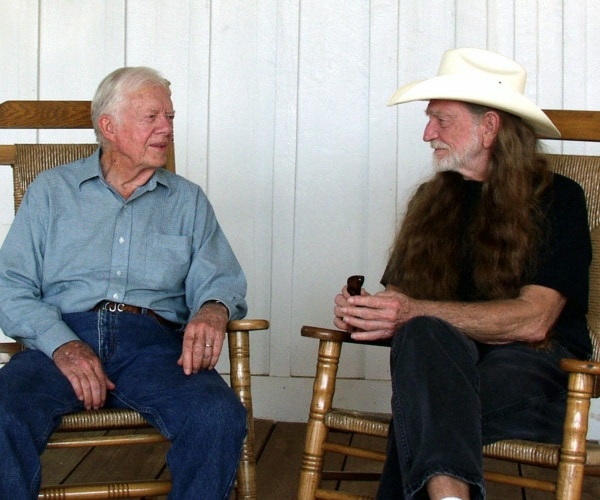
<point x="563" y="260"/>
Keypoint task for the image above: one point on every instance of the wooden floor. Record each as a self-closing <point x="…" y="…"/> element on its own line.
<point x="279" y="453"/>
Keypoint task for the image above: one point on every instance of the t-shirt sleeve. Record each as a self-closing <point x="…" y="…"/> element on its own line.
<point x="564" y="264"/>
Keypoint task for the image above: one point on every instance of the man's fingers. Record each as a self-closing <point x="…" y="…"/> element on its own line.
<point x="187" y="355"/>
<point x="76" y="385"/>
<point x="216" y="353"/>
<point x="201" y="350"/>
<point x="78" y="362"/>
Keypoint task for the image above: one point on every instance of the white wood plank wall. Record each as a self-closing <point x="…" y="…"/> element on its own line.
<point x="282" y="118"/>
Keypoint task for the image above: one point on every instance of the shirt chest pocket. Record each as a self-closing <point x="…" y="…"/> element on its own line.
<point x="167" y="261"/>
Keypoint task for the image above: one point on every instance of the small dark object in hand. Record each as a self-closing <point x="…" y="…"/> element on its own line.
<point x="354" y="284"/>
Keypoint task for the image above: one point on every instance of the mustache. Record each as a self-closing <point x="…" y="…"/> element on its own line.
<point x="436" y="144"/>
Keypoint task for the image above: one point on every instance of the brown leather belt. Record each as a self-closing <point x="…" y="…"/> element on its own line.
<point x="107" y="305"/>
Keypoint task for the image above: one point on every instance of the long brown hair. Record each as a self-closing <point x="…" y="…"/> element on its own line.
<point x="499" y="245"/>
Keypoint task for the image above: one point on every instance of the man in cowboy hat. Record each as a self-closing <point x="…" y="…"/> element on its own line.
<point x="486" y="288"/>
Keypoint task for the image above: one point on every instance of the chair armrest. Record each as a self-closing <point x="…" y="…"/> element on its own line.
<point x="238" y="333"/>
<point x="582" y="375"/>
<point x="319" y="333"/>
<point x="238" y="339"/>
<point x="236" y="325"/>
<point x="580" y="366"/>
<point x="10" y="348"/>
<point x="316" y="332"/>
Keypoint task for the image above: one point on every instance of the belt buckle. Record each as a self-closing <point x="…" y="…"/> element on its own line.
<point x="114" y="307"/>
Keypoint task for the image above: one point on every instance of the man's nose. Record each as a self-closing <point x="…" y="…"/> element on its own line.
<point x="430" y="133"/>
<point x="165" y="124"/>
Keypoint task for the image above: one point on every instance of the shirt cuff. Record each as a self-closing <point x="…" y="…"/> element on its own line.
<point x="52" y="339"/>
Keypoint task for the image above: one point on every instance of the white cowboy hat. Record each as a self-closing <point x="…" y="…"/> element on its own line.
<point x="480" y="77"/>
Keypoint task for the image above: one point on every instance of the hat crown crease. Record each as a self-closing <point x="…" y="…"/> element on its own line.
<point x="481" y="64"/>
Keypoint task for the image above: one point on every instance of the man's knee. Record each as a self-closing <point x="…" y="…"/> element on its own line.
<point x="420" y="331"/>
<point x="230" y="410"/>
<point x="427" y="338"/>
<point x="223" y="410"/>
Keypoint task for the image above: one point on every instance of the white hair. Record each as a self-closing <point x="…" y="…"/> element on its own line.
<point x="115" y="87"/>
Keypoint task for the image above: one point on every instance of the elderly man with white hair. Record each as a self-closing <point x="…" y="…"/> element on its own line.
<point x="118" y="278"/>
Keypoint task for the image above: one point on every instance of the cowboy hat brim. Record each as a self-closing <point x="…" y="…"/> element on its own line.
<point x="477" y="91"/>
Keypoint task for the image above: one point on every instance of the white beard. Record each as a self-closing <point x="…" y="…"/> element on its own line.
<point x="456" y="160"/>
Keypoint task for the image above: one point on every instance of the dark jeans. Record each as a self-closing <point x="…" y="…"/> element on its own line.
<point x="200" y="414"/>
<point x="451" y="395"/>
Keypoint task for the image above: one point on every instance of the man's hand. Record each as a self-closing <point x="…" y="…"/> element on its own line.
<point x="79" y="363"/>
<point x="203" y="338"/>
<point x="341" y="300"/>
<point x="372" y="317"/>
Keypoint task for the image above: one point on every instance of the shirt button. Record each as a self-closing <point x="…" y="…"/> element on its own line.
<point x="118" y="273"/>
<point x="116" y="296"/>
<point x="121" y="240"/>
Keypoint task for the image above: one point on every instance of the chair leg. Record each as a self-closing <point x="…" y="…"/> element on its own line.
<point x="571" y="467"/>
<point x="316" y="432"/>
<point x="239" y="356"/>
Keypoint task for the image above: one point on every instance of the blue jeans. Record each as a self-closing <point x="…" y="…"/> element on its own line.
<point x="199" y="414"/>
<point x="451" y="395"/>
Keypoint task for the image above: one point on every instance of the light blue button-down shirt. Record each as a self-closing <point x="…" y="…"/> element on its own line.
<point x="75" y="241"/>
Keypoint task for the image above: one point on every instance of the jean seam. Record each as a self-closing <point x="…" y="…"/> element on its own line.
<point x="399" y="430"/>
<point x="106" y="335"/>
<point x="234" y="475"/>
<point x="157" y="421"/>
<point x="514" y="408"/>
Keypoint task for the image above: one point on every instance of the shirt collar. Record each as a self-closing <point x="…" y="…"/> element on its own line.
<point x="91" y="169"/>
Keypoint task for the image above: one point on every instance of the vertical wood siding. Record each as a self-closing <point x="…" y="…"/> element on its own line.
<point x="282" y="118"/>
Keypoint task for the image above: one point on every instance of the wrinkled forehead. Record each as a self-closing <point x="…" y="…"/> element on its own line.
<point x="443" y="108"/>
<point x="153" y="98"/>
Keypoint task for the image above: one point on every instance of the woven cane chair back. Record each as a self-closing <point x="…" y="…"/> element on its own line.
<point x="585" y="170"/>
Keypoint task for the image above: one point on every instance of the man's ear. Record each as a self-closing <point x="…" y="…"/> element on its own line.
<point x="107" y="126"/>
<point x="490" y="123"/>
